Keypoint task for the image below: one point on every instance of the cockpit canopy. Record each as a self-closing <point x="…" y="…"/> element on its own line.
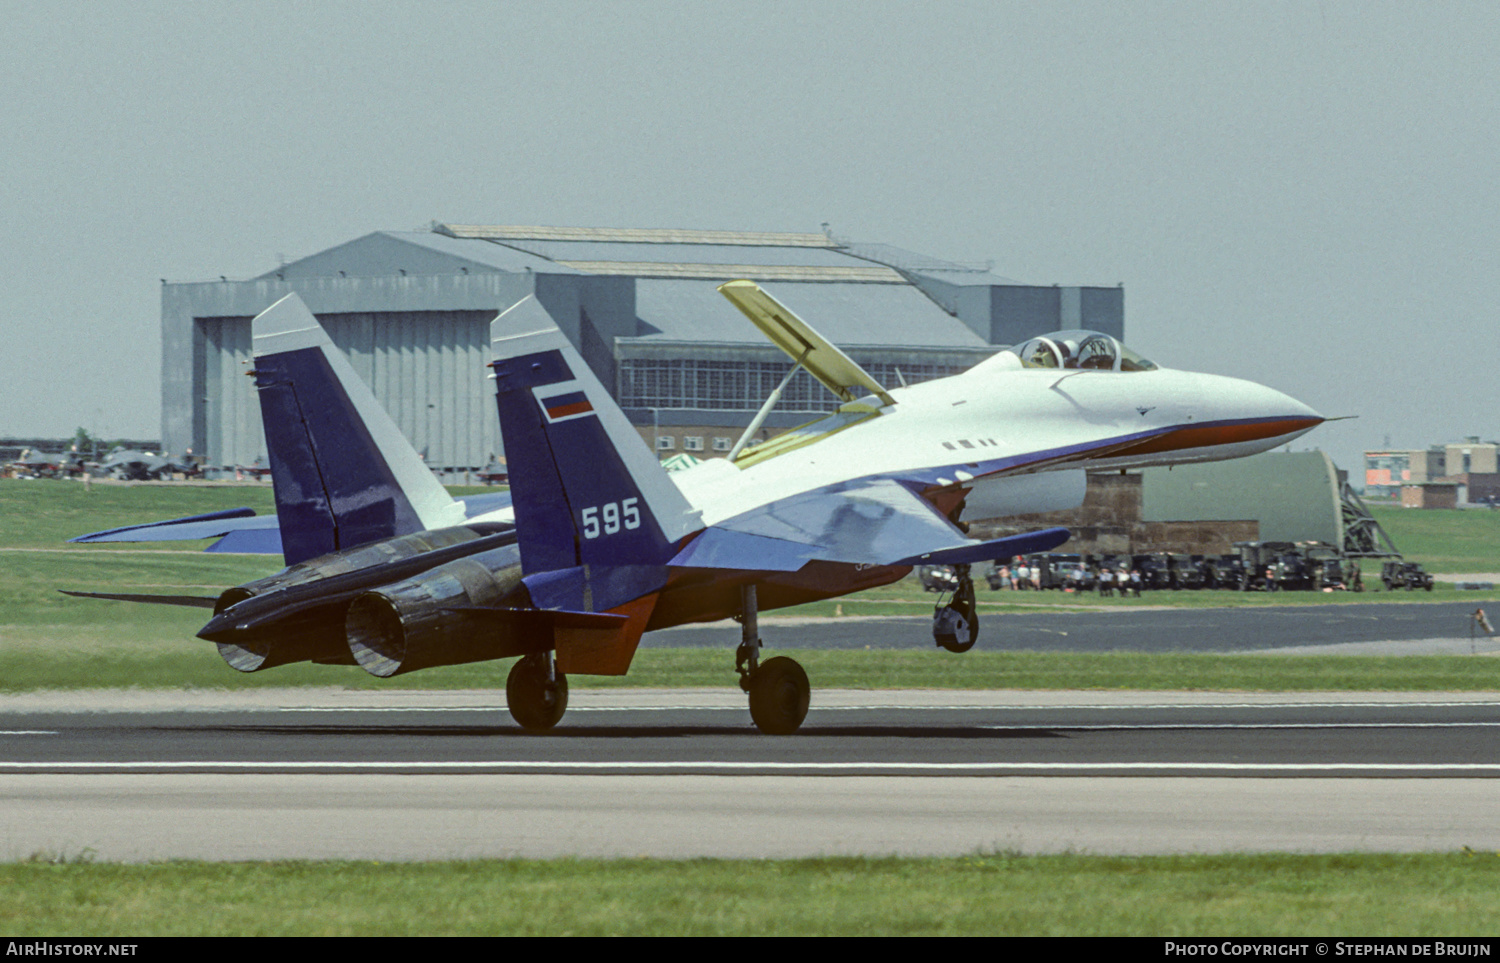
<point x="1088" y="350"/>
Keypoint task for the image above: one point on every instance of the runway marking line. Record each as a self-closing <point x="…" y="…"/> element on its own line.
<point x="970" y="707"/>
<point x="1247" y="725"/>
<point x="107" y="768"/>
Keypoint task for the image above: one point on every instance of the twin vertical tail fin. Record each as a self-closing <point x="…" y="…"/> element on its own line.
<point x="587" y="491"/>
<point x="344" y="474"/>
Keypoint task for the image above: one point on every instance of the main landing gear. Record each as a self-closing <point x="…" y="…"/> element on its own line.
<point x="955" y="626"/>
<point x="778" y="688"/>
<point x="536" y="692"/>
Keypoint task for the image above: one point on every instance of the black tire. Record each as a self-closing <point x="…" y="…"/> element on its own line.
<point x="534" y="703"/>
<point x="779" y="696"/>
<point x="963" y="604"/>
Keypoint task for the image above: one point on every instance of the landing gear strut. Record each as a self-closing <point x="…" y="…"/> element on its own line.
<point x="955" y="626"/>
<point x="779" y="692"/>
<point x="536" y="692"/>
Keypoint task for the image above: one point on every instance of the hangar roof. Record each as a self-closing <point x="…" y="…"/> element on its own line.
<point x="684" y="253"/>
<point x="872" y="295"/>
<point x="413" y="252"/>
<point x="848" y="315"/>
<point x="915" y="263"/>
<point x="644" y="253"/>
<point x="640" y="234"/>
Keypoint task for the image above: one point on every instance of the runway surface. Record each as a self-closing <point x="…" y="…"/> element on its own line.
<point x="226" y="817"/>
<point x="404" y="775"/>
<point x="682" y="773"/>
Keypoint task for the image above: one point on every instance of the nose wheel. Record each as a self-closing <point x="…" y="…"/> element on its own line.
<point x="955" y="626"/>
<point x="536" y="692"/>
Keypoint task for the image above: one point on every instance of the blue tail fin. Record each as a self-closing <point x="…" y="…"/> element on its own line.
<point x="587" y="490"/>
<point x="344" y="475"/>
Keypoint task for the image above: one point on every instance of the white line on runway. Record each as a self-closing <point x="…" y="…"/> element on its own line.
<point x="1127" y="727"/>
<point x="966" y="707"/>
<point x="27" y="732"/>
<point x="723" y="766"/>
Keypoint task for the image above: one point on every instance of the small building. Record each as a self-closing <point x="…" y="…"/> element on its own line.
<point x="1472" y="456"/>
<point x="1387" y="471"/>
<point x="1430" y="495"/>
<point x="1471" y="464"/>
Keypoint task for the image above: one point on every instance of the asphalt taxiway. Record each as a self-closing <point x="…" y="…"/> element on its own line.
<point x="1249" y="629"/>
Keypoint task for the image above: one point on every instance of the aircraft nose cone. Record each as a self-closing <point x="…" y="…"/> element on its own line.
<point x="1240" y="417"/>
<point x="1293" y="409"/>
<point x="1283" y="417"/>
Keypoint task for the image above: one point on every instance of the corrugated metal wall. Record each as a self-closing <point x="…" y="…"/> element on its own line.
<point x="428" y="368"/>
<point x="231" y="412"/>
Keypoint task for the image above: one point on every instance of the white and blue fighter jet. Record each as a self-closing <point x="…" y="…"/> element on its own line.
<point x="607" y="546"/>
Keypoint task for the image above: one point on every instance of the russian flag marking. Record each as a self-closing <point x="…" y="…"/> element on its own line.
<point x="566" y="405"/>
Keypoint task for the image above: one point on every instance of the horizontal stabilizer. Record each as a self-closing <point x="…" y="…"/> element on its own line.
<point x="207" y="525"/>
<point x="1025" y="544"/>
<point x="836" y="370"/>
<point x="241" y="531"/>
<point x="250" y="541"/>
<point x="192" y="601"/>
<point x="485" y="503"/>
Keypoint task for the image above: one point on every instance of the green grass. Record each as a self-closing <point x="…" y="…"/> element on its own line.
<point x="1444" y="539"/>
<point x="45" y="514"/>
<point x="1447" y="895"/>
<point x="93" y="662"/>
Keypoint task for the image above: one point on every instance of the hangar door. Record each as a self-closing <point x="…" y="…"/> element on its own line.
<point x="428" y="368"/>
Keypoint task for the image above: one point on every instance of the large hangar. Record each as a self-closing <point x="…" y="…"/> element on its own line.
<point x="412" y="311"/>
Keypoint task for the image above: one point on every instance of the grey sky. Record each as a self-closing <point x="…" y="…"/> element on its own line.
<point x="1304" y="194"/>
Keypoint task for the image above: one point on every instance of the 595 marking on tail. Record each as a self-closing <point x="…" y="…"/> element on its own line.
<point x="608" y="519"/>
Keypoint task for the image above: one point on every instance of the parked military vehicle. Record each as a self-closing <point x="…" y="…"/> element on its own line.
<point x="1155" y="569"/>
<point x="1224" y="572"/>
<point x="1255" y="566"/>
<point x="1407" y="575"/>
<point x="937" y="578"/>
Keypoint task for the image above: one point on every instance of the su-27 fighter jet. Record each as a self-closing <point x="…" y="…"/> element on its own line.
<point x="607" y="546"/>
<point x="848" y="502"/>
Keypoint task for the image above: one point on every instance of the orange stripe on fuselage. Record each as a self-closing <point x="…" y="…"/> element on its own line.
<point x="1209" y="436"/>
<point x="708" y="595"/>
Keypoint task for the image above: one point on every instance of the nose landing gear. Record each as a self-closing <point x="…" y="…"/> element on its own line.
<point x="955" y="626"/>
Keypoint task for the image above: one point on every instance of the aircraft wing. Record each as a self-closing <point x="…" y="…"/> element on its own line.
<point x="870" y="522"/>
<point x="836" y="370"/>
<point x="241" y="530"/>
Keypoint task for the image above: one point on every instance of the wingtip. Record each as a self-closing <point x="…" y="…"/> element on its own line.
<point x="729" y="288"/>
